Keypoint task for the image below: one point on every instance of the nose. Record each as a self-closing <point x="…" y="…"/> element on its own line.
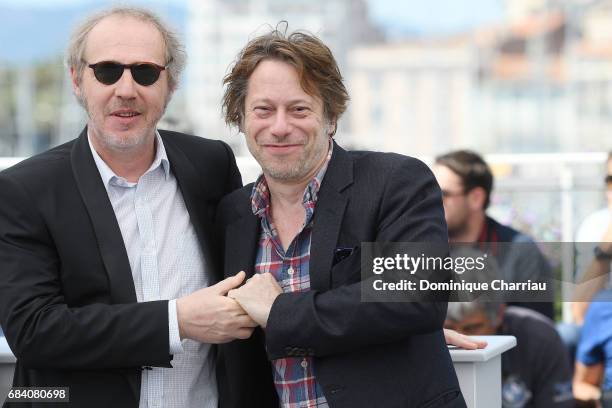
<point x="281" y="126"/>
<point x="126" y="87"/>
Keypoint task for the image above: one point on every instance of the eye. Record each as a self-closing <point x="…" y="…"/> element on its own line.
<point x="300" y="110"/>
<point x="262" y="110"/>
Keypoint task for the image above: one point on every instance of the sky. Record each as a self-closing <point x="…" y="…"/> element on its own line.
<point x="424" y="15"/>
<point x="436" y="16"/>
<point x="32" y="30"/>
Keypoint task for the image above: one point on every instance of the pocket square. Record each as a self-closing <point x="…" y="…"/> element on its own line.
<point x="342" y="252"/>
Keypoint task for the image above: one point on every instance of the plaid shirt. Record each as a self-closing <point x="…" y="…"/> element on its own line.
<point x="294" y="378"/>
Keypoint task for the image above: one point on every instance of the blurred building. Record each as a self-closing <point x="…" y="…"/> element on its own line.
<point x="518" y="10"/>
<point x="217" y="30"/>
<point x="549" y="85"/>
<point x="539" y="81"/>
<point x="589" y="59"/>
<point x="412" y="97"/>
<point x="523" y="94"/>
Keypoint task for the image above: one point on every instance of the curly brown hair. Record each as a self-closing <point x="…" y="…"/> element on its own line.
<point x="312" y="59"/>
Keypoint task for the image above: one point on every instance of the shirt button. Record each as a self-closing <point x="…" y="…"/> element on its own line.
<point x="290" y="271"/>
<point x="304" y="364"/>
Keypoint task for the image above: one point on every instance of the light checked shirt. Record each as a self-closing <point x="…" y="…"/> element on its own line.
<point x="166" y="262"/>
<point x="294" y="378"/>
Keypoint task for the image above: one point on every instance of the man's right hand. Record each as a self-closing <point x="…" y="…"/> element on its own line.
<point x="457" y="339"/>
<point x="209" y="316"/>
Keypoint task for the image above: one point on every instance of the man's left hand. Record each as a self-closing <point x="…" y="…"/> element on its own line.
<point x="256" y="296"/>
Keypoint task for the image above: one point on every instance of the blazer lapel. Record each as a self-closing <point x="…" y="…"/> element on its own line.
<point x="241" y="241"/>
<point x="329" y="212"/>
<point x="102" y="216"/>
<point x="241" y="245"/>
<point x="197" y="202"/>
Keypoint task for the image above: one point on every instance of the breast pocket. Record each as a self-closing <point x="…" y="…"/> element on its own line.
<point x="346" y="267"/>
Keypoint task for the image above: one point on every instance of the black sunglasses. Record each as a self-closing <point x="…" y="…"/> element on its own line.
<point x="109" y="72"/>
<point x="609" y="179"/>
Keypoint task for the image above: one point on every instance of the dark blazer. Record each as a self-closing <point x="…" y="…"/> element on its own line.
<point x="521" y="262"/>
<point x="67" y="299"/>
<point x="387" y="355"/>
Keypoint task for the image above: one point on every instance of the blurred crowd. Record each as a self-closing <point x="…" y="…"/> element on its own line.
<point x="563" y="365"/>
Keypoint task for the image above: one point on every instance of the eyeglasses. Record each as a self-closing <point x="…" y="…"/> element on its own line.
<point x="109" y="72"/>
<point x="448" y="194"/>
<point x="608" y="180"/>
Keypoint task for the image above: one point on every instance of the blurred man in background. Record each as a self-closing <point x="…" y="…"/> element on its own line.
<point x="593" y="370"/>
<point x="594" y="252"/>
<point x="466" y="182"/>
<point x="592" y="309"/>
<point x="593" y="264"/>
<point x="536" y="373"/>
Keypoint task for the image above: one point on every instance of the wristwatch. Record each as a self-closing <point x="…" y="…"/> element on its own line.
<point x="602" y="255"/>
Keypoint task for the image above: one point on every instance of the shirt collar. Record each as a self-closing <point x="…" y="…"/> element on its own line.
<point x="107" y="174"/>
<point x="260" y="195"/>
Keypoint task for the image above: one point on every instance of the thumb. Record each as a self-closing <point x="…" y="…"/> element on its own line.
<point x="230" y="283"/>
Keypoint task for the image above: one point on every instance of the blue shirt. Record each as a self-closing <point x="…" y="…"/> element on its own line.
<point x="596" y="340"/>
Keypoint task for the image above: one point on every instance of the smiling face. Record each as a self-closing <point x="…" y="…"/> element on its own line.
<point x="122" y="116"/>
<point x="285" y="127"/>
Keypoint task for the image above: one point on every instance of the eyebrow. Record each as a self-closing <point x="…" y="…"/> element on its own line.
<point x="290" y="103"/>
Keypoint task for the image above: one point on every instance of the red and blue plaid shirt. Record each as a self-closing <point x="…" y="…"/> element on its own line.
<point x="294" y="378"/>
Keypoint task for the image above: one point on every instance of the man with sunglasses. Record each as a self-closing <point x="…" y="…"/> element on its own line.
<point x="594" y="251"/>
<point x="107" y="252"/>
<point x="466" y="182"/>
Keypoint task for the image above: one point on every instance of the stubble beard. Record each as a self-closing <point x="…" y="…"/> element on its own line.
<point x="115" y="142"/>
<point x="289" y="172"/>
<point x="458" y="229"/>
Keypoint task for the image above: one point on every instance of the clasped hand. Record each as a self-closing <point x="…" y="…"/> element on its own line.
<point x="224" y="312"/>
<point x="256" y="296"/>
<point x="227" y="311"/>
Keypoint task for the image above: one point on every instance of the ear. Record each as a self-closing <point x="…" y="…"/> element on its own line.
<point x="173" y="87"/>
<point x="476" y="198"/>
<point x="75" y="82"/>
<point x="331" y="128"/>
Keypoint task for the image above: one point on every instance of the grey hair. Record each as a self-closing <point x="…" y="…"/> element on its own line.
<point x="457" y="311"/>
<point x="174" y="48"/>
